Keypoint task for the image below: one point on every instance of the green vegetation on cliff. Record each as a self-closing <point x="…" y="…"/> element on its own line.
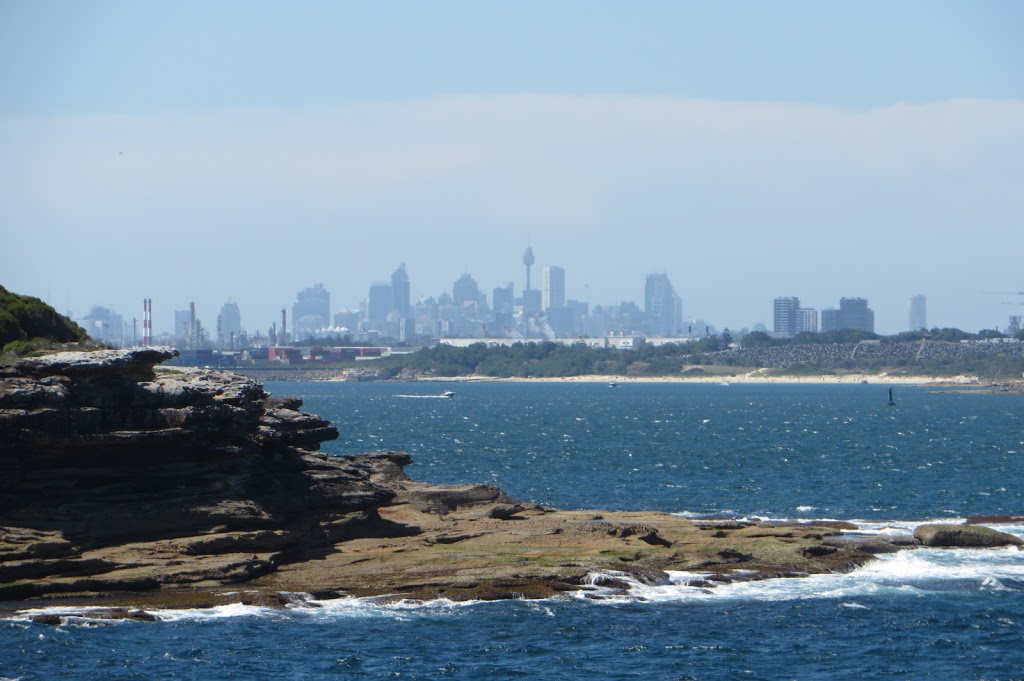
<point x="28" y="324"/>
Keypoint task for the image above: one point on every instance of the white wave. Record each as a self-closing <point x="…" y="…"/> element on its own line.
<point x="217" y="612"/>
<point x="905" y="572"/>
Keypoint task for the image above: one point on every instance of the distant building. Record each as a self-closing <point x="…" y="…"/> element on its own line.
<point x="379" y="305"/>
<point x="528" y="261"/>
<point x="402" y="303"/>
<point x="503" y="298"/>
<point x="182" y="325"/>
<point x="853" y="313"/>
<point x="917" y="317"/>
<point x="531" y="301"/>
<point x="105" y="325"/>
<point x="466" y="295"/>
<point x="312" y="310"/>
<point x="229" y="325"/>
<point x="830" y="320"/>
<point x="806" y="320"/>
<point x="553" y="291"/>
<point x="663" y="308"/>
<point x="348" y="319"/>
<point x="503" y="302"/>
<point x="785" y="316"/>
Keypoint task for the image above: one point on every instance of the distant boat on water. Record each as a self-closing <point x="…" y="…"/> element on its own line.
<point x="892" y="402"/>
<point x="448" y="393"/>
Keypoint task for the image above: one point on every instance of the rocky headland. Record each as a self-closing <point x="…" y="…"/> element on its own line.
<point x="134" y="485"/>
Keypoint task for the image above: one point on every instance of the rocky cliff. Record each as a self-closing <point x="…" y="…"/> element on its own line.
<point x="119" y="474"/>
<point x="126" y="482"/>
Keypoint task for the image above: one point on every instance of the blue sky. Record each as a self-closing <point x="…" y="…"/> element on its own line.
<point x="185" y="151"/>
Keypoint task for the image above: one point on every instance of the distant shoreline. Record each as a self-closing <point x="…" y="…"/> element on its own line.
<point x="958" y="383"/>
<point x="748" y="378"/>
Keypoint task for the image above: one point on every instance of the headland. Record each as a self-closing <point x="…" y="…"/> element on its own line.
<point x="133" y="486"/>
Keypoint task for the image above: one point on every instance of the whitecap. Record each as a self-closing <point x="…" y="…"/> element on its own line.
<point x="908" y="572"/>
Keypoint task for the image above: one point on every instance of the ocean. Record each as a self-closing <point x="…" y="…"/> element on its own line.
<point x="769" y="451"/>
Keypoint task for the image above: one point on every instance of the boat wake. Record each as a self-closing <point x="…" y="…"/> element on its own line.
<point x="443" y="396"/>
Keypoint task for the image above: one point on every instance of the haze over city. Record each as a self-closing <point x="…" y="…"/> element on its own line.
<point x="247" y="150"/>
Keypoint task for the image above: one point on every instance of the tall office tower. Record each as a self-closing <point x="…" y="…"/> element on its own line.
<point x="503" y="298"/>
<point x="806" y="320"/>
<point x="380" y="305"/>
<point x="400" y="291"/>
<point x="664" y="309"/>
<point x="531" y="302"/>
<point x="503" y="301"/>
<point x="312" y="310"/>
<point x="830" y="320"/>
<point x="918" y="321"/>
<point x="553" y="291"/>
<point x="229" y="324"/>
<point x="466" y="294"/>
<point x="854" y="313"/>
<point x="786" y="316"/>
<point x="528" y="260"/>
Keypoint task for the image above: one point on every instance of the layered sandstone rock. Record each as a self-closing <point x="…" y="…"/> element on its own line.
<point x="116" y="473"/>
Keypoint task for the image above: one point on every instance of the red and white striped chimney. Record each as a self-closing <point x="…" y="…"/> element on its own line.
<point x="147" y="322"/>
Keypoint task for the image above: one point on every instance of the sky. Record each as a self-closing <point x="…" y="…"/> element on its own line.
<point x="195" y="151"/>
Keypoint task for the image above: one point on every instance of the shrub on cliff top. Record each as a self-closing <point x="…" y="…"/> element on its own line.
<point x="26" y="319"/>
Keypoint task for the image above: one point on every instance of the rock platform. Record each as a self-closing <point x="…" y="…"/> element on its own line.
<point x="130" y="484"/>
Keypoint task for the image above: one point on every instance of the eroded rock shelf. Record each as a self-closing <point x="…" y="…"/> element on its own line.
<point x="124" y="482"/>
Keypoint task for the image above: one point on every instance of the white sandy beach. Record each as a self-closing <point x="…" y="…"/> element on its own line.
<point x="749" y="377"/>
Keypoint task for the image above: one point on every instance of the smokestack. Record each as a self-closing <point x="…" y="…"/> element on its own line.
<point x="147" y="322"/>
<point x="284" y="326"/>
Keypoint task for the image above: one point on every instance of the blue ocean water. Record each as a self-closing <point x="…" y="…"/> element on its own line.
<point x="796" y="451"/>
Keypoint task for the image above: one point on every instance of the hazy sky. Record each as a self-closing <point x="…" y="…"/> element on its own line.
<point x="210" y="150"/>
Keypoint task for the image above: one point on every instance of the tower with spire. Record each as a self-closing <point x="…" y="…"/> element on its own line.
<point x="528" y="260"/>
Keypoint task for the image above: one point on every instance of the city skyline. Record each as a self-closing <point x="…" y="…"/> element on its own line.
<point x="749" y="151"/>
<point x="390" y="311"/>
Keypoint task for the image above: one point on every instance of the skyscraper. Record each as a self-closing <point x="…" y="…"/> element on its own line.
<point x="380" y="304"/>
<point x="806" y="320"/>
<point x="503" y="298"/>
<point x="854" y="313"/>
<point x="830" y="320"/>
<point x="466" y="294"/>
<point x="553" y="291"/>
<point x="311" y="310"/>
<point x="917" y="318"/>
<point x="785" y="316"/>
<point x="229" y="325"/>
<point x="400" y="291"/>
<point x="663" y="308"/>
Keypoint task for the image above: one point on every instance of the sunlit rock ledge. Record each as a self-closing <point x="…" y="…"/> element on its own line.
<point x="124" y="482"/>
